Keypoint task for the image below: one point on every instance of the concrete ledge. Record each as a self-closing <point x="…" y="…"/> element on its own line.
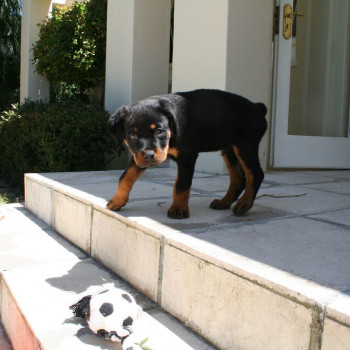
<point x="200" y="276"/>
<point x="211" y="290"/>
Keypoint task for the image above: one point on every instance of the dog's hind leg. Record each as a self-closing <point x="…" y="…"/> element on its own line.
<point x="237" y="180"/>
<point x="247" y="155"/>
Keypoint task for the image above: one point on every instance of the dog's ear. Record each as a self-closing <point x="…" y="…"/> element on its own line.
<point x="116" y="124"/>
<point x="168" y="110"/>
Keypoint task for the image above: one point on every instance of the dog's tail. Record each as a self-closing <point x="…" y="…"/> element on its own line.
<point x="262" y="122"/>
<point x="262" y="107"/>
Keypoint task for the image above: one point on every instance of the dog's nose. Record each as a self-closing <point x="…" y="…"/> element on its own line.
<point x="148" y="154"/>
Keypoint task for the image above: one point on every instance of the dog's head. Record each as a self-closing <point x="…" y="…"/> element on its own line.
<point x="146" y="128"/>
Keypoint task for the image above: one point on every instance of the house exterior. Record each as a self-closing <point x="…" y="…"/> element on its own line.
<point x="297" y="65"/>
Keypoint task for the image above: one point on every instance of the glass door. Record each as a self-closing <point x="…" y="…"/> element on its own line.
<point x="311" y="90"/>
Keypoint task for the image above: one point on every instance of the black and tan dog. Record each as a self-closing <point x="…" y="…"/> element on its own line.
<point x="180" y="126"/>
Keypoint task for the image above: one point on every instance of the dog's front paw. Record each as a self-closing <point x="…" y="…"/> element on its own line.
<point x="177" y="213"/>
<point x="114" y="205"/>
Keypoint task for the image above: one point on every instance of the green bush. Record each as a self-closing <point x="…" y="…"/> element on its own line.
<point x="10" y="33"/>
<point x="72" y="45"/>
<point x="41" y="137"/>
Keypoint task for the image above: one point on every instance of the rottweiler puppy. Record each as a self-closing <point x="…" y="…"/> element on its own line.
<point x="180" y="126"/>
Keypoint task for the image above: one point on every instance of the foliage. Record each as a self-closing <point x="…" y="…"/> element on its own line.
<point x="3" y="200"/>
<point x="142" y="344"/>
<point x="72" y="44"/>
<point x="63" y="92"/>
<point x="41" y="137"/>
<point x="10" y="28"/>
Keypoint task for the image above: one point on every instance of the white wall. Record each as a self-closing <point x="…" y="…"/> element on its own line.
<point x="200" y="41"/>
<point x="33" y="85"/>
<point x="137" y="57"/>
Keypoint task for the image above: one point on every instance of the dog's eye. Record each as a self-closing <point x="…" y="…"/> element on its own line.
<point x="158" y="132"/>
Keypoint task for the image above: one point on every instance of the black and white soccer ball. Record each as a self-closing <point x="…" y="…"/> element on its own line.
<point x="110" y="313"/>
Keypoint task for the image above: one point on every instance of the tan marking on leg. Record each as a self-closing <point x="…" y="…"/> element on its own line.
<point x="124" y="187"/>
<point x="246" y="201"/>
<point x="179" y="209"/>
<point x="236" y="180"/>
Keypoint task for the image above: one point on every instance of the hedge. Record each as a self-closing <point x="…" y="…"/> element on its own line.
<point x="42" y="137"/>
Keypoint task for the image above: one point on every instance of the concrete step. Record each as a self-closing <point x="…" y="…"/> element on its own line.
<point x="42" y="274"/>
<point x="277" y="278"/>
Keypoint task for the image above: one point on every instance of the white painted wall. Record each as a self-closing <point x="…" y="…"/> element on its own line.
<point x="226" y="45"/>
<point x="137" y="57"/>
<point x="33" y="85"/>
<point x="200" y="42"/>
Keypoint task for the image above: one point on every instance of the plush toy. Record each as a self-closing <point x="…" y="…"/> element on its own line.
<point x="110" y="313"/>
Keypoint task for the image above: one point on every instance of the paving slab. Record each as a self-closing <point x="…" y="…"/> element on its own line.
<point x="23" y="236"/>
<point x="299" y="177"/>
<point x="299" y="200"/>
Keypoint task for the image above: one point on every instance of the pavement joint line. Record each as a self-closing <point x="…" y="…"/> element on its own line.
<point x="317" y="327"/>
<point x="325" y="221"/>
<point x="91" y="222"/>
<point x="160" y="269"/>
<point x="324" y="190"/>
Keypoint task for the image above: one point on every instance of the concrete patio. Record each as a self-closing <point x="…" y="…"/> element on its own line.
<point x="276" y="278"/>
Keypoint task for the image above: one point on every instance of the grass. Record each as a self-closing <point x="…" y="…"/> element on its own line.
<point x="142" y="344"/>
<point x="3" y="198"/>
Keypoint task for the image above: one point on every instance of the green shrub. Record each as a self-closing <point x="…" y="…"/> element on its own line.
<point x="10" y="33"/>
<point x="72" y="45"/>
<point x="41" y="137"/>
